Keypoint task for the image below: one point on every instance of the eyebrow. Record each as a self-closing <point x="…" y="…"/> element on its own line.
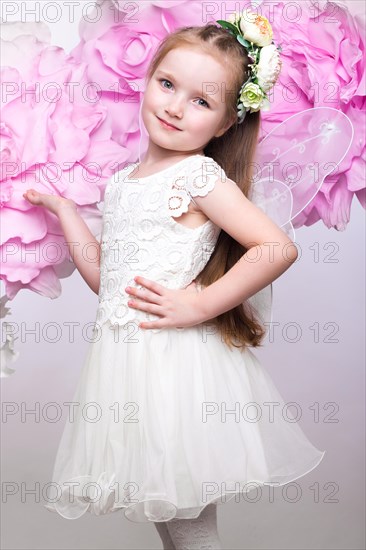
<point x="200" y="92"/>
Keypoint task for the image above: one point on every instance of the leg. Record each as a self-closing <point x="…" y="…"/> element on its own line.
<point x="164" y="535"/>
<point x="197" y="533"/>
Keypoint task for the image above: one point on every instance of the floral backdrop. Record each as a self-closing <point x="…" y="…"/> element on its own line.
<point x="69" y="120"/>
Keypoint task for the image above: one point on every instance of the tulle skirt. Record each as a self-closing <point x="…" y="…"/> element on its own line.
<point x="165" y="423"/>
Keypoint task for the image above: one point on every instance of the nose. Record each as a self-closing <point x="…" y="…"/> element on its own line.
<point x="175" y="108"/>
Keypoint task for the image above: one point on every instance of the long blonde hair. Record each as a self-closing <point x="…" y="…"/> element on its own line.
<point x="239" y="326"/>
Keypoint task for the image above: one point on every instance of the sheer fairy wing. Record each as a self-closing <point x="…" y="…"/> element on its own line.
<point x="293" y="160"/>
<point x="291" y="164"/>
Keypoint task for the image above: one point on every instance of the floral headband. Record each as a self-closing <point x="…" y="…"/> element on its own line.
<point x="254" y="32"/>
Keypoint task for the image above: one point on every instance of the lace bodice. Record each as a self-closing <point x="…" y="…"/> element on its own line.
<point x="141" y="237"/>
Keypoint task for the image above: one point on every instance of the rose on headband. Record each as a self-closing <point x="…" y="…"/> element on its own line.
<point x="254" y="33"/>
<point x="252" y="97"/>
<point x="254" y="28"/>
<point x="269" y="67"/>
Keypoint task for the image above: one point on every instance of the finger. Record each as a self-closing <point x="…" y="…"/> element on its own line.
<point x="145" y="306"/>
<point x="31" y="199"/>
<point x="151" y="324"/>
<point x="145" y="295"/>
<point x="152" y="285"/>
<point x="32" y="195"/>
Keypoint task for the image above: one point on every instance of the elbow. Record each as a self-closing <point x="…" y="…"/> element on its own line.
<point x="97" y="287"/>
<point x="94" y="287"/>
<point x="291" y="252"/>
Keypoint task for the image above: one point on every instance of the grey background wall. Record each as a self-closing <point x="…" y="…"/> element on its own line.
<point x="316" y="359"/>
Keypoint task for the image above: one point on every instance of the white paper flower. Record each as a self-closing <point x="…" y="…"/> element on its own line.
<point x="8" y="355"/>
<point x="269" y="67"/>
<point x="252" y="96"/>
<point x="256" y="28"/>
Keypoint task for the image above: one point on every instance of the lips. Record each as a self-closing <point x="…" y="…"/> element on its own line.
<point x="168" y="123"/>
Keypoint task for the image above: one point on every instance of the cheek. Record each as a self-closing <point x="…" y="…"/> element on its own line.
<point x="145" y="112"/>
<point x="202" y="124"/>
<point x="148" y="105"/>
<point x="150" y="95"/>
<point x="147" y="100"/>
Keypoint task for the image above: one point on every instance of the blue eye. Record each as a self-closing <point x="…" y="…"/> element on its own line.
<point x="164" y="80"/>
<point x="204" y="102"/>
<point x="200" y="99"/>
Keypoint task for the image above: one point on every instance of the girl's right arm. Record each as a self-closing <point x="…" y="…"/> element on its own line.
<point x="83" y="246"/>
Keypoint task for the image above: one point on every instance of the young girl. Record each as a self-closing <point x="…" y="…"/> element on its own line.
<point x="173" y="414"/>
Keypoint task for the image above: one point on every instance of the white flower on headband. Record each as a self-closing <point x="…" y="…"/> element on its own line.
<point x="269" y="67"/>
<point x="252" y="97"/>
<point x="254" y="33"/>
<point x="256" y="28"/>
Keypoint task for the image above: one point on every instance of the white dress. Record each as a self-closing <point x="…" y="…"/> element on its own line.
<point x="167" y="421"/>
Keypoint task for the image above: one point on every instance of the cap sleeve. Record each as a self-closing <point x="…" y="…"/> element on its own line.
<point x="199" y="178"/>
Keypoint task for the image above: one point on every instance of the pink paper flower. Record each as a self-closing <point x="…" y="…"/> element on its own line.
<point x="69" y="121"/>
<point x="323" y="64"/>
<point x="54" y="140"/>
<point x="51" y="142"/>
<point x="118" y="50"/>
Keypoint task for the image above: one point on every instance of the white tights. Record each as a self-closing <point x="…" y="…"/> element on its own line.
<point x="191" y="534"/>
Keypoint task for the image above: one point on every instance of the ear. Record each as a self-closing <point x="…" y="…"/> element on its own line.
<point x="226" y="127"/>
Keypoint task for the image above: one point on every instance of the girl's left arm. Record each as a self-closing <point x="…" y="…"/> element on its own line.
<point x="270" y="252"/>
